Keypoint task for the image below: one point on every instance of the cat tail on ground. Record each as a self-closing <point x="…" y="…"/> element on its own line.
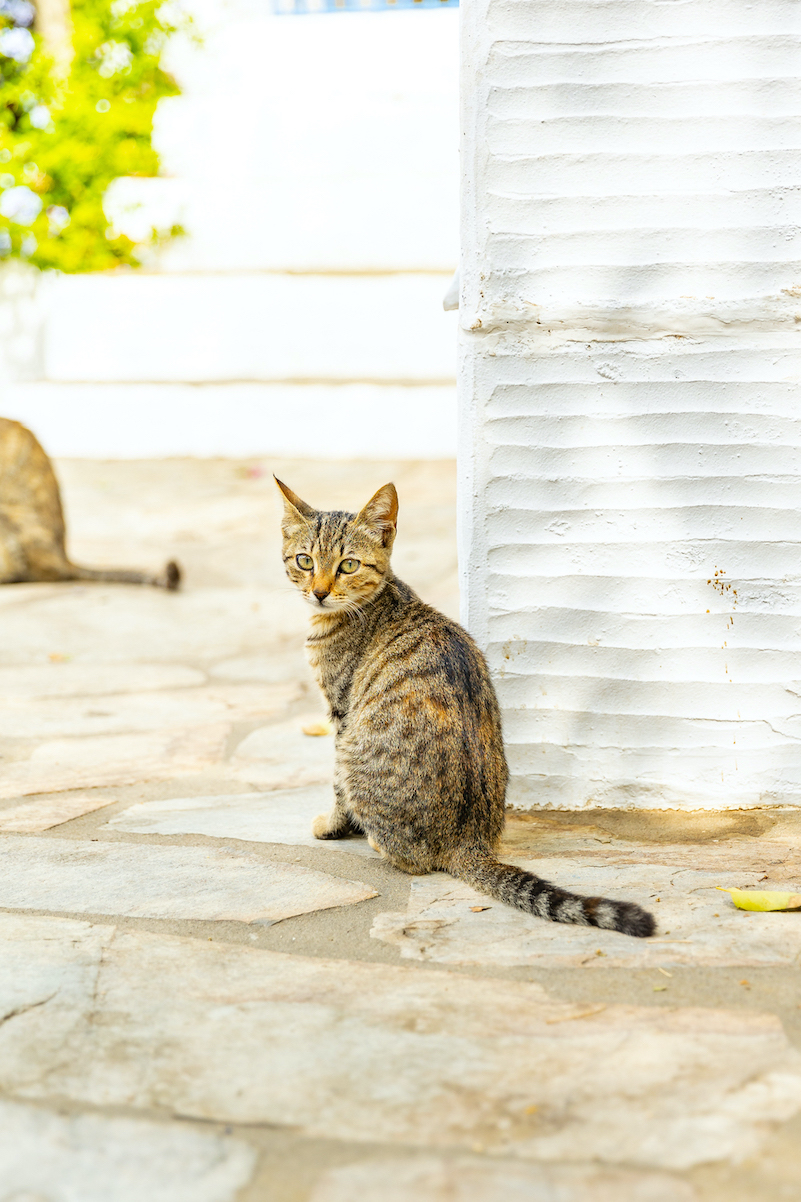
<point x="169" y="578"/>
<point x="530" y="893"/>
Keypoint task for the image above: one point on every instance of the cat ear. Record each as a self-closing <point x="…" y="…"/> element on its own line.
<point x="295" y="511"/>
<point x="380" y="514"/>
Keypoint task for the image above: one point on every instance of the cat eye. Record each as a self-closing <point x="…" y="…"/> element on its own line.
<point x="349" y="565"/>
<point x="304" y="561"/>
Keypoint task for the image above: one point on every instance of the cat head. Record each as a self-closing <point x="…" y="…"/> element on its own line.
<point x="339" y="561"/>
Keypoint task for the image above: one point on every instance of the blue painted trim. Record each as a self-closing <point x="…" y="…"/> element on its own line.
<point x="302" y="7"/>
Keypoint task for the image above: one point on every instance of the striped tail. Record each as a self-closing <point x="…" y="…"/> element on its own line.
<point x="169" y="578"/>
<point x="525" y="891"/>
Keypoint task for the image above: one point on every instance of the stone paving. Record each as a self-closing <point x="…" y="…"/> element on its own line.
<point x="201" y="1003"/>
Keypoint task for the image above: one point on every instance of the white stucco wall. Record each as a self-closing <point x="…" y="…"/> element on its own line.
<point x="629" y="402"/>
<point x="313" y="161"/>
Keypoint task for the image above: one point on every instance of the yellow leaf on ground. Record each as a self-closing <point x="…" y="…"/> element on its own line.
<point x="756" y="899"/>
<point x="317" y="729"/>
<point x="569" y="1018"/>
<point x="479" y="909"/>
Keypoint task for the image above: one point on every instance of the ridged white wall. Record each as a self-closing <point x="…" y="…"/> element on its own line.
<point x="630" y="409"/>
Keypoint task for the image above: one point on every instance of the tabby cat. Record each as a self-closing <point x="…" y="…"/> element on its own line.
<point x="32" y="521"/>
<point x="420" y="765"/>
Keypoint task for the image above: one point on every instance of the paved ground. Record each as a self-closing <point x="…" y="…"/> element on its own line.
<point x="198" y="1003"/>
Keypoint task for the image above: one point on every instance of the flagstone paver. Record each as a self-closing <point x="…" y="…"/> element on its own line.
<point x="468" y="1179"/>
<point x="85" y="622"/>
<point x="766" y="841"/>
<point x="370" y="1052"/>
<point x="60" y="678"/>
<point x="449" y="923"/>
<point x="49" y="1157"/>
<point x="274" y="668"/>
<point x="281" y="756"/>
<point x="113" y="713"/>
<point x="153" y="769"/>
<point x="58" y="765"/>
<point x="31" y="817"/>
<point x="282" y="816"/>
<point x="204" y="883"/>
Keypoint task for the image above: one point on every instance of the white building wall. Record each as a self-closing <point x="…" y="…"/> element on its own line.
<point x="313" y="161"/>
<point x="630" y="424"/>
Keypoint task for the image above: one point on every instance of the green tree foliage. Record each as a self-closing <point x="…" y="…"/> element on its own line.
<point x="63" y="140"/>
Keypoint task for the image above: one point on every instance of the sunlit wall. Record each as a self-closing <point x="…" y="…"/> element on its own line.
<point x="312" y="158"/>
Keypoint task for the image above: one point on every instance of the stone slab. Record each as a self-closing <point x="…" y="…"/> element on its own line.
<point x="116" y="713"/>
<point x="104" y="622"/>
<point x="146" y="881"/>
<point x="47" y="1157"/>
<point x="70" y="679"/>
<point x="60" y="765"/>
<point x="470" y="1179"/>
<point x="771" y="846"/>
<point x="696" y="923"/>
<point x="282" y="757"/>
<point x="281" y="816"/>
<point x="374" y="1053"/>
<point x="269" y="667"/>
<point x="31" y="816"/>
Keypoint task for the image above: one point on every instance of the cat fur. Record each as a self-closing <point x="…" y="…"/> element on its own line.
<point x="32" y="532"/>
<point x="420" y="765"/>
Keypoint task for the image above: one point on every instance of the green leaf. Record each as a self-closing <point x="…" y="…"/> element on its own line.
<point x="71" y="162"/>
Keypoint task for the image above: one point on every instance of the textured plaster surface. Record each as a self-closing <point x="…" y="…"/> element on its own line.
<point x="629" y="396"/>
<point x="161" y="1035"/>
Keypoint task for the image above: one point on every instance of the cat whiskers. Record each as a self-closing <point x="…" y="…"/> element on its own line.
<point x="354" y="609"/>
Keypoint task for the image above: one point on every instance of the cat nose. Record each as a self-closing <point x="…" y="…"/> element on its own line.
<point x="321" y="593"/>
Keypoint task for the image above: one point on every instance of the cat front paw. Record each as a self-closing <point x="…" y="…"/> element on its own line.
<point x="321" y="828"/>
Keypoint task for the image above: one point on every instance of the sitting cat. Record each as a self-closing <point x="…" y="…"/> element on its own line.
<point x="420" y="765"/>
<point x="32" y="521"/>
